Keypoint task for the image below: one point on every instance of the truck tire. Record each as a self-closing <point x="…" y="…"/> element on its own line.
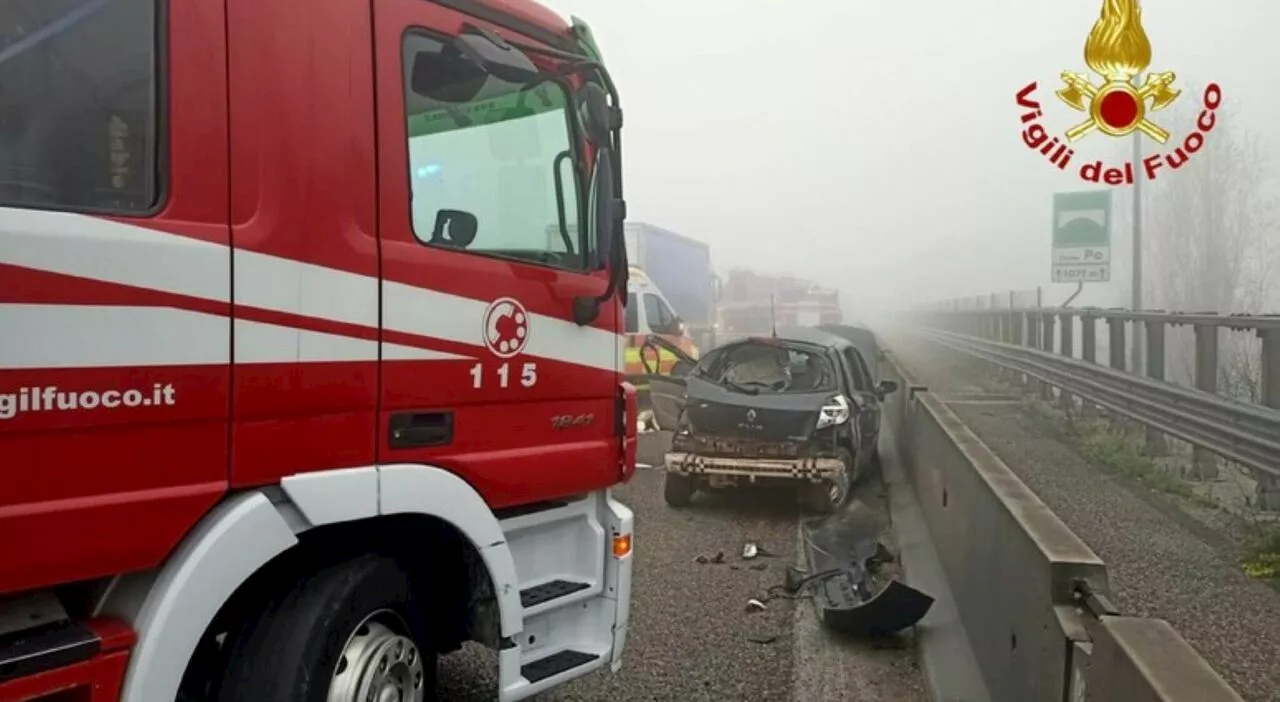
<point x="350" y="633"/>
<point x="828" y="496"/>
<point x="678" y="489"/>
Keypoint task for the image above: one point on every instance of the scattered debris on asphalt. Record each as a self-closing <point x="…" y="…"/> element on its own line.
<point x="854" y="592"/>
<point x="717" y="559"/>
<point x="754" y="605"/>
<point x="751" y="550"/>
<point x="762" y="639"/>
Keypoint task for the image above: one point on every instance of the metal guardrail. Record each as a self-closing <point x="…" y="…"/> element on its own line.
<point x="1073" y="333"/>
<point x="1032" y="597"/>
<point x="1245" y="433"/>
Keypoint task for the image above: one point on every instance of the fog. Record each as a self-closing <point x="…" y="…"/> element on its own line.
<point x="877" y="147"/>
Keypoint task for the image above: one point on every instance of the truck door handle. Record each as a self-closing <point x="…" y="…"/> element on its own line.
<point x="418" y="429"/>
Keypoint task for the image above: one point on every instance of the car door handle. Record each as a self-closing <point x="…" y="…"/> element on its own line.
<point x="419" y="429"/>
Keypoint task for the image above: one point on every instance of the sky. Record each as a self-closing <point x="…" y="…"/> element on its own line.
<point x="876" y="146"/>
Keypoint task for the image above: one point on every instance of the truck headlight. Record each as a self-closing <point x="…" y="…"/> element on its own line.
<point x="834" y="413"/>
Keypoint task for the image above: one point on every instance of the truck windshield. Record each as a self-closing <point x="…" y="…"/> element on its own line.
<point x="505" y="156"/>
<point x="78" y="104"/>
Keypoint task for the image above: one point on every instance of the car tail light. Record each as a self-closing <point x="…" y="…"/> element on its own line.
<point x="626" y="429"/>
<point x="834" y="413"/>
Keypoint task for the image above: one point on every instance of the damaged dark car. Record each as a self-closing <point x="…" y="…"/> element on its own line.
<point x="799" y="407"/>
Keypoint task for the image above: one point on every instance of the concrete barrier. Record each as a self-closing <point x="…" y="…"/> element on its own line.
<point x="1032" y="597"/>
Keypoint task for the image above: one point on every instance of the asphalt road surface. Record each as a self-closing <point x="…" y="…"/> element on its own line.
<point x="690" y="636"/>
<point x="1161" y="563"/>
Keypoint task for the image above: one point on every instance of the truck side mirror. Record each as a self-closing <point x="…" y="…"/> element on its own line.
<point x="604" y="206"/>
<point x="598" y="117"/>
<point x="607" y="211"/>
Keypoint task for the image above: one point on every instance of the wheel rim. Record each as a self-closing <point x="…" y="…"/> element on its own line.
<point x="839" y="488"/>
<point x="379" y="664"/>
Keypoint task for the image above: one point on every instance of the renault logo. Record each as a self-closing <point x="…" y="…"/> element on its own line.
<point x="751" y="415"/>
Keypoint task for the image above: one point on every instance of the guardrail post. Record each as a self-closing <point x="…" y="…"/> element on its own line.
<point x="1088" y="352"/>
<point x="1117" y="350"/>
<point x="1204" y="464"/>
<point x="1116" y="343"/>
<point x="1066" y="346"/>
<point x="1046" y="344"/>
<point x="1269" y="485"/>
<point x="1033" y="340"/>
<point x="1156" y="445"/>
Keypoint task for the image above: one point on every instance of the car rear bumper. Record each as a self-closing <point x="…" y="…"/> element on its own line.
<point x="811" y="469"/>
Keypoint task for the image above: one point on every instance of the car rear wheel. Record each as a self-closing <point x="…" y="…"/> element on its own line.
<point x="678" y="489"/>
<point x="829" y="496"/>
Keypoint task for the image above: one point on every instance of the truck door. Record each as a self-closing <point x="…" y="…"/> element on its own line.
<point x="483" y="370"/>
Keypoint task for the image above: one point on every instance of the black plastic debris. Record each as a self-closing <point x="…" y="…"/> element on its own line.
<point x="851" y="590"/>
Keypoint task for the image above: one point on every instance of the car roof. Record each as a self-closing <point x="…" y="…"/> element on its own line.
<point x="810" y="335"/>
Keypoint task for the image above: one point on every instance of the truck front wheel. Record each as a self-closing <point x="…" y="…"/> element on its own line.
<point x="349" y="633"/>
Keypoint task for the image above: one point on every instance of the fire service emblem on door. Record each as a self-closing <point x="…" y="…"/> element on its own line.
<point x="506" y="327"/>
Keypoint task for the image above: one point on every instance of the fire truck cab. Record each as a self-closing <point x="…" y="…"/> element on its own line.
<point x="295" y="393"/>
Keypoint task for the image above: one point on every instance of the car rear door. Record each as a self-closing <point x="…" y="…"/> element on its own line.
<point x="865" y="398"/>
<point x="667" y="387"/>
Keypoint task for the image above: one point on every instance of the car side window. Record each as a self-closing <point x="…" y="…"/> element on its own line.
<point x="633" y="315"/>
<point x="668" y="316"/>
<point x="658" y="314"/>
<point x="860" y="381"/>
<point x="862" y="367"/>
<point x="847" y="377"/>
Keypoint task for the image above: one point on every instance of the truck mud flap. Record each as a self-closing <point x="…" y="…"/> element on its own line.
<point x="852" y="577"/>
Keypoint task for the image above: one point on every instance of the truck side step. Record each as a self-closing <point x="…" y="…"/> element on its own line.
<point x="46" y="647"/>
<point x="554" y="590"/>
<point x="555" y="664"/>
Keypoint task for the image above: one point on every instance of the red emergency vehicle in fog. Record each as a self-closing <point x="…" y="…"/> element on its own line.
<point x="295" y="392"/>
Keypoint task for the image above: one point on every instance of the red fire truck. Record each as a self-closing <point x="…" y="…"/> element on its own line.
<point x="753" y="304"/>
<point x="295" y="393"/>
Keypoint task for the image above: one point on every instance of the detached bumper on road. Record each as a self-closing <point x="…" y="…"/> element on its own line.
<point x="812" y="469"/>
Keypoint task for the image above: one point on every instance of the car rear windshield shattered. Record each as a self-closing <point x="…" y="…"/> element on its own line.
<point x="773" y="368"/>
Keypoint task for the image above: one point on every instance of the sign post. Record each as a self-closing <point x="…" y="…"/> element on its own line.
<point x="1082" y="237"/>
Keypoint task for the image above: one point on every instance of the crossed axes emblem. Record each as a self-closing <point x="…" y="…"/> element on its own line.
<point x="1105" y="101"/>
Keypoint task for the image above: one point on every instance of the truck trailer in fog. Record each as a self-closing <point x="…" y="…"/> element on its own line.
<point x="681" y="268"/>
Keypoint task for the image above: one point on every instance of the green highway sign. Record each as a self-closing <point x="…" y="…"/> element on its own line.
<point x="1082" y="237"/>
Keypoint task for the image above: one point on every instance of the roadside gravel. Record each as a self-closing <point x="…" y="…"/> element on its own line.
<point x="1160" y="564"/>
